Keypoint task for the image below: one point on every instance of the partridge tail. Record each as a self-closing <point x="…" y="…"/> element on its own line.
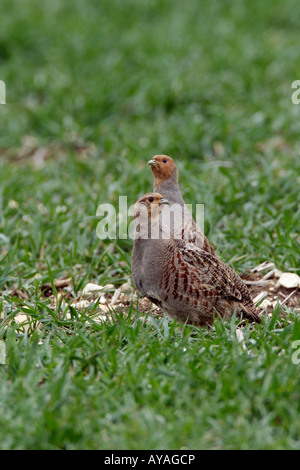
<point x="250" y="312"/>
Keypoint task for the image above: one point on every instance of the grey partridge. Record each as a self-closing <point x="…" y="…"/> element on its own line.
<point x="165" y="175"/>
<point x="187" y="282"/>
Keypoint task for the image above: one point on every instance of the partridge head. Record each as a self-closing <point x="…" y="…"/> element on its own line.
<point x="165" y="175"/>
<point x="147" y="216"/>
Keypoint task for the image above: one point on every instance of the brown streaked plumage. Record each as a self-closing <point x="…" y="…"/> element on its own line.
<point x="185" y="281"/>
<point x="165" y="175"/>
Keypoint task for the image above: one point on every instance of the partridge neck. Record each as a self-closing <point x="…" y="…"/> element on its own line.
<point x="169" y="189"/>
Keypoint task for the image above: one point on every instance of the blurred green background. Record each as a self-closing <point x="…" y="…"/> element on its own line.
<point x="94" y="89"/>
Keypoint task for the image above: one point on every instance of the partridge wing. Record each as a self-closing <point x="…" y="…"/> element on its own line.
<point x="212" y="272"/>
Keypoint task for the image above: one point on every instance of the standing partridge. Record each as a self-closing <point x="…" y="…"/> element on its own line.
<point x="184" y="227"/>
<point x="187" y="282"/>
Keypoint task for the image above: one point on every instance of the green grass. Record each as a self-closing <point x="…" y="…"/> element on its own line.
<point x="154" y="386"/>
<point x="208" y="83"/>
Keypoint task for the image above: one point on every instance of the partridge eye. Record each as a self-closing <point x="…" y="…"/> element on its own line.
<point x="165" y="160"/>
<point x="151" y="199"/>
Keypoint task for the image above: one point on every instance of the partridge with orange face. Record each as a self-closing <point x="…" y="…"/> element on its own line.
<point x="185" y="281"/>
<point x="165" y="175"/>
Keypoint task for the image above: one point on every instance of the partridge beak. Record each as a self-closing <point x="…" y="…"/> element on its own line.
<point x="164" y="201"/>
<point x="152" y="162"/>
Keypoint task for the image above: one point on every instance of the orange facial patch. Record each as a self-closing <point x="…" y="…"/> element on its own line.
<point x="150" y="198"/>
<point x="163" y="169"/>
